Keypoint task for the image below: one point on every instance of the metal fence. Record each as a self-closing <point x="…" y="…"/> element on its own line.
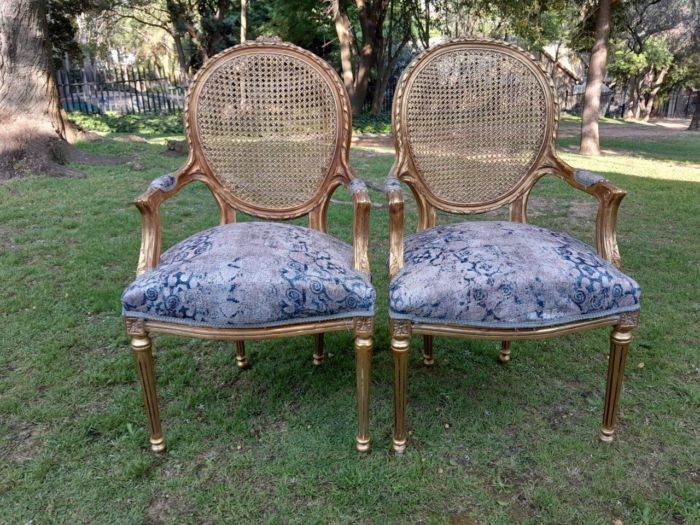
<point x="125" y="89"/>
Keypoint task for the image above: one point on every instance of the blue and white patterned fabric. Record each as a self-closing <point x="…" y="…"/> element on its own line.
<point x="164" y="183"/>
<point x="252" y="274"/>
<point x="505" y="275"/>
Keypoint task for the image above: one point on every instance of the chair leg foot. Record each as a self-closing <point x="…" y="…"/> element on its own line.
<point x="400" y="339"/>
<point x="363" y="365"/>
<point x="619" y="347"/>
<point x="318" y="349"/>
<point x="504" y="356"/>
<point x="428" y="359"/>
<point x="141" y="347"/>
<point x="398" y="446"/>
<point x="241" y="358"/>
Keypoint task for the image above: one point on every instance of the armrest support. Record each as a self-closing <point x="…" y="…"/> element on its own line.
<point x="609" y="198"/>
<point x="392" y="189"/>
<point x="148" y="203"/>
<point x="360" y="225"/>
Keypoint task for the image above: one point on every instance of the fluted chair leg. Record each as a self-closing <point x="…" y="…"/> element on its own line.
<point x="619" y="347"/>
<point x="241" y="358"/>
<point x="400" y="339"/>
<point x="318" y="349"/>
<point x="363" y="361"/>
<point x="504" y="356"/>
<point x="141" y="347"/>
<point x="428" y="359"/>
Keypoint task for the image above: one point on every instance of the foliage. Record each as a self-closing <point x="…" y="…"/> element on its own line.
<point x="274" y="444"/>
<point x="142" y="123"/>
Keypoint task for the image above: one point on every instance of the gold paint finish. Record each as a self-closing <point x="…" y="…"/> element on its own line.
<point x="241" y="358"/>
<point x="504" y="356"/>
<point x="318" y="349"/>
<point x="420" y="182"/>
<point x="428" y="359"/>
<point x="334" y="171"/>
<point x="619" y="347"/>
<point x="141" y="347"/>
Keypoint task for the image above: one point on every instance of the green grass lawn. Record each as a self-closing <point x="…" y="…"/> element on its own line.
<point x="275" y="444"/>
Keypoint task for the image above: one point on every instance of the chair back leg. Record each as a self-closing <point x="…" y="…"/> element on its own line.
<point x="619" y="347"/>
<point x="141" y="347"/>
<point x="504" y="356"/>
<point x="428" y="359"/>
<point x="241" y="358"/>
<point x="318" y="349"/>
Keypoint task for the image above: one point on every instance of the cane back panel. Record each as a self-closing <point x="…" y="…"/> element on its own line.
<point x="472" y="119"/>
<point x="269" y="122"/>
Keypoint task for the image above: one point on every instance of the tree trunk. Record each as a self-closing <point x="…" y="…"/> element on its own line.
<point x="343" y="30"/>
<point x="590" y="140"/>
<point x="182" y="61"/>
<point x="656" y="87"/>
<point x="244" y="19"/>
<point x="629" y="107"/>
<point x="33" y="134"/>
<point x="695" y="122"/>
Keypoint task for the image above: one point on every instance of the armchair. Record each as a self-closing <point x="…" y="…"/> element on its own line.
<point x="269" y="127"/>
<point x="474" y="125"/>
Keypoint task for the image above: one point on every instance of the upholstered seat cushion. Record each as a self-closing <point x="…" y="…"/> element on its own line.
<point x="505" y="275"/>
<point x="252" y="274"/>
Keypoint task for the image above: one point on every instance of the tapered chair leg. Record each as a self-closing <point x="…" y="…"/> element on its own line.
<point x="241" y="358"/>
<point x="428" y="359"/>
<point x="400" y="339"/>
<point x="619" y="347"/>
<point x="141" y="347"/>
<point x="363" y="365"/>
<point x="318" y="349"/>
<point x="504" y="356"/>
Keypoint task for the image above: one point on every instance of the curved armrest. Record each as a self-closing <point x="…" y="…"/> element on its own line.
<point x="392" y="189"/>
<point x="360" y="224"/>
<point x="609" y="198"/>
<point x="148" y="203"/>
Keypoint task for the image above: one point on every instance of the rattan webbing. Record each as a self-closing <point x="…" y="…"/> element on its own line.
<point x="475" y="123"/>
<point x="267" y="125"/>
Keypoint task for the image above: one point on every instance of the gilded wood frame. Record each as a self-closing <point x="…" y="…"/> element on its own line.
<point x="196" y="168"/>
<point x="404" y="169"/>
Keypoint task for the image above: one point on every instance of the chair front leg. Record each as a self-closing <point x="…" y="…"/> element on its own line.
<point x="400" y="340"/>
<point x="141" y="347"/>
<point x="619" y="347"/>
<point x="364" y="345"/>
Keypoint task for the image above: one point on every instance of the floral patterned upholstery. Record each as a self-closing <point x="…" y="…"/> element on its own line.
<point x="505" y="275"/>
<point x="252" y="274"/>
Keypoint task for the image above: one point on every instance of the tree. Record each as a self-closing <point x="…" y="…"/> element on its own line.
<point x="590" y="140"/>
<point x="33" y="134"/>
<point x="371" y="15"/>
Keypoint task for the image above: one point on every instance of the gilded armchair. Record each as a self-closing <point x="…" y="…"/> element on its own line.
<point x="474" y="127"/>
<point x="268" y="126"/>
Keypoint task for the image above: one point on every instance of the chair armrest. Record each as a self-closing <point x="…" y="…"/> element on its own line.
<point x="360" y="224"/>
<point x="148" y="203"/>
<point x="392" y="189"/>
<point x="609" y="198"/>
